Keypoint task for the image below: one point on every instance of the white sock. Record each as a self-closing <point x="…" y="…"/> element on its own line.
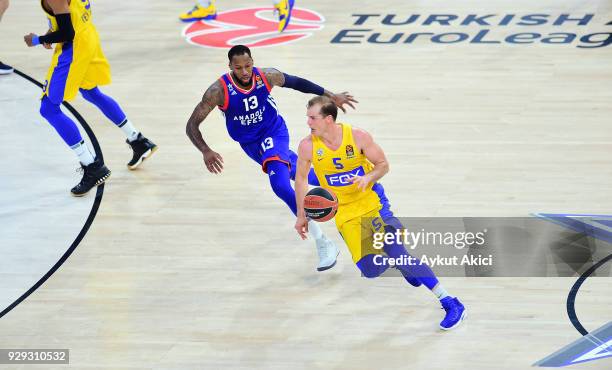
<point x="128" y="129"/>
<point x="82" y="151"/>
<point x="440" y="292"/>
<point x="315" y="230"/>
<point x="204" y="3"/>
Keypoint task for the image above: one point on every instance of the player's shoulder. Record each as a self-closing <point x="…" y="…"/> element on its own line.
<point x="361" y="136"/>
<point x="268" y="70"/>
<point x="273" y="75"/>
<point x="305" y="146"/>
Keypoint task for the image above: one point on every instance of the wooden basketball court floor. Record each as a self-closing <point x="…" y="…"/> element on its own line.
<point x="182" y="269"/>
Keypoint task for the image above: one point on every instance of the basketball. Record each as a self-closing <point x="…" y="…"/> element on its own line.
<point x="320" y="204"/>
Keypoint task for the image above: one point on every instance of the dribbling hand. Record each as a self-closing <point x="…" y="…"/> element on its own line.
<point x="213" y="161"/>
<point x="301" y="226"/>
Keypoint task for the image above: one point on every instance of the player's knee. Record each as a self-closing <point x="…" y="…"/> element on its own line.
<point x="369" y="268"/>
<point x="393" y="222"/>
<point x="48" y="109"/>
<point x="279" y="179"/>
<point x="91" y="94"/>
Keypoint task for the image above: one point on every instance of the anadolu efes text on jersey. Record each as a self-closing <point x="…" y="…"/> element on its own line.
<point x="249" y="114"/>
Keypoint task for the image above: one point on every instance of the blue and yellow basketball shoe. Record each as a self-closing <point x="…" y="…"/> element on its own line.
<point x="199" y="13"/>
<point x="284" y="9"/>
<point x="455" y="313"/>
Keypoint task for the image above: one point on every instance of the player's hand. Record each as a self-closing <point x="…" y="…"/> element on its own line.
<point x="28" y="39"/>
<point x="361" y="181"/>
<point x="301" y="226"/>
<point x="213" y="161"/>
<point x="344" y="98"/>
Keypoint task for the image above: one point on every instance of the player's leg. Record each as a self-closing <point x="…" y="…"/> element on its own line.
<point x="98" y="73"/>
<point x="94" y="171"/>
<point x="366" y="259"/>
<point x="455" y="311"/>
<point x="276" y="162"/>
<point x="57" y="88"/>
<point x="203" y="9"/>
<point x="284" y="9"/>
<point x="142" y="147"/>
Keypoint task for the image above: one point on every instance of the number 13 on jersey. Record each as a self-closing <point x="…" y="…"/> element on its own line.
<point x="250" y="103"/>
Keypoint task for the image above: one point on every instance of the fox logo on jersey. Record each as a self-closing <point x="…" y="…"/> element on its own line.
<point x="253" y="27"/>
<point x="344" y="178"/>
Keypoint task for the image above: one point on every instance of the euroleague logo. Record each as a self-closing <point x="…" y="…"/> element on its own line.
<point x="253" y="27"/>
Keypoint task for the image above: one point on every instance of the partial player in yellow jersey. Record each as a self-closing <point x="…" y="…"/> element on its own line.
<point x="205" y="9"/>
<point x="78" y="64"/>
<point x="347" y="161"/>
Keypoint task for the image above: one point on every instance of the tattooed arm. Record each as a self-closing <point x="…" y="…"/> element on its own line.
<point x="212" y="97"/>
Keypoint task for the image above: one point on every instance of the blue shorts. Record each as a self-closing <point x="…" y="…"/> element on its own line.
<point x="273" y="146"/>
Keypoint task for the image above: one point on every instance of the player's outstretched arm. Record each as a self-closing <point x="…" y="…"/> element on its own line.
<point x="301" y="184"/>
<point x="212" y="97"/>
<point x="278" y="78"/>
<point x="374" y="153"/>
<point x="65" y="32"/>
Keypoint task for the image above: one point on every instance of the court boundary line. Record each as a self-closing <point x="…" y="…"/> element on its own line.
<point x="90" y="217"/>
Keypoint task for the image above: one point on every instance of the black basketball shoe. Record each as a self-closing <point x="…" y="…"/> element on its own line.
<point x="4" y="69"/>
<point x="143" y="148"/>
<point x="93" y="175"/>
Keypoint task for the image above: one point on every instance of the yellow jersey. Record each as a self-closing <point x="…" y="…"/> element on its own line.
<point x="335" y="169"/>
<point x="79" y="64"/>
<point x="80" y="15"/>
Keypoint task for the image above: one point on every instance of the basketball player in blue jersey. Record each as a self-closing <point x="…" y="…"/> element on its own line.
<point x="205" y="9"/>
<point x="78" y="64"/>
<point x="350" y="163"/>
<point x="252" y="119"/>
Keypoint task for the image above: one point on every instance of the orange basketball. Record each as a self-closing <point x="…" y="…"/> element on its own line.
<point x="320" y="204"/>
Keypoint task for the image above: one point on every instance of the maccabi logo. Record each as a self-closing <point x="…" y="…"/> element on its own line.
<point x="349" y="151"/>
<point x="253" y="27"/>
<point x="344" y="178"/>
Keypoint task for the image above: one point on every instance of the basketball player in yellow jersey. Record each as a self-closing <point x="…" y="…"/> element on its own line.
<point x="78" y="64"/>
<point x="347" y="161"/>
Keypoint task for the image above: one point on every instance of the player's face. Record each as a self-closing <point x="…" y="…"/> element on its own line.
<point x="315" y="120"/>
<point x="242" y="68"/>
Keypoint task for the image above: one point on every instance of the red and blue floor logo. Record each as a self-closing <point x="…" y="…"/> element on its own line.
<point x="253" y="27"/>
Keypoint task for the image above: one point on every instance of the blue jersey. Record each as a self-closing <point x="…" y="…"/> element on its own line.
<point x="249" y="114"/>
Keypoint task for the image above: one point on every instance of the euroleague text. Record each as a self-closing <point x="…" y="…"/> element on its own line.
<point x="383" y="29"/>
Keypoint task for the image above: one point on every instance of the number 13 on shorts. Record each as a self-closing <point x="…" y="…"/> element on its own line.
<point x="267" y="143"/>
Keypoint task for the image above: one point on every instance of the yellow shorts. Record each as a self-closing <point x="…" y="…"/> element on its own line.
<point x="358" y="234"/>
<point x="80" y="64"/>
